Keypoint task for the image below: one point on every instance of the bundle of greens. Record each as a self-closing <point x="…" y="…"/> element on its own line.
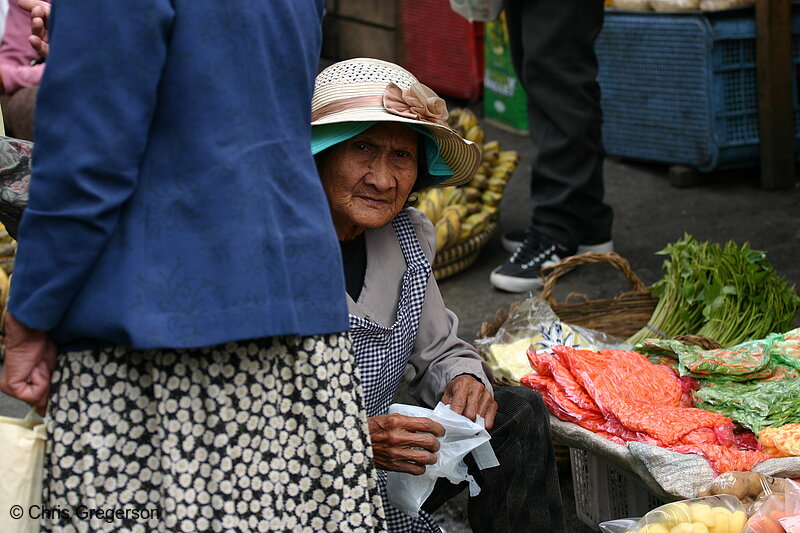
<point x="755" y="405"/>
<point x="775" y="357"/>
<point x="730" y="294"/>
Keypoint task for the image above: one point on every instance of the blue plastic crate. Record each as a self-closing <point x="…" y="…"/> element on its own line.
<point x="682" y="89"/>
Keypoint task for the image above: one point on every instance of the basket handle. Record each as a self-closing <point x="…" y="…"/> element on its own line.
<point x="568" y="263"/>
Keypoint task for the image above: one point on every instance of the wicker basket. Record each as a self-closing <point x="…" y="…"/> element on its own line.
<point x="460" y="256"/>
<point x="621" y="316"/>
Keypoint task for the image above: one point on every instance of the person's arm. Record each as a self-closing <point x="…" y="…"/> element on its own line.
<point x="439" y="356"/>
<point x="94" y="109"/>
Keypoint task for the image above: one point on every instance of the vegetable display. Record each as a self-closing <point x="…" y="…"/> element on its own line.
<point x="728" y="293"/>
<point x="756" y="405"/>
<point x="775" y="357"/>
<point x="623" y="397"/>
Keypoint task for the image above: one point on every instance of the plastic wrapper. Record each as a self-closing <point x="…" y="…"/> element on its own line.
<point x="533" y="323"/>
<point x="777" y="513"/>
<point x="408" y="492"/>
<point x="777" y="356"/>
<point x="783" y="441"/>
<point x="623" y="397"/>
<point x="755" y="405"/>
<point x="482" y="10"/>
<point x="720" y="514"/>
<point x="748" y="487"/>
<point x="786" y="350"/>
<point x="675" y="5"/>
<point x="622" y="525"/>
<point x="717" y="5"/>
<point x="709" y="514"/>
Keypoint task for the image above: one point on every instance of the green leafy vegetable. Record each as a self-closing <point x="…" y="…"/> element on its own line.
<point x="728" y="293"/>
<point x="755" y="405"/>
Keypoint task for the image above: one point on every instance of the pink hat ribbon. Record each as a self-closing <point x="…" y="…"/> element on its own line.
<point x="418" y="102"/>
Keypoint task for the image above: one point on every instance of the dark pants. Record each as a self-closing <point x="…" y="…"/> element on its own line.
<point x="522" y="494"/>
<point x="552" y="46"/>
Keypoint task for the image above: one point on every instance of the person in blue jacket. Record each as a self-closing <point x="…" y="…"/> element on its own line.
<point x="179" y="298"/>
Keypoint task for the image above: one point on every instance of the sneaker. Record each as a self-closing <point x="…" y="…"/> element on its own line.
<point x="522" y="271"/>
<point x="513" y="240"/>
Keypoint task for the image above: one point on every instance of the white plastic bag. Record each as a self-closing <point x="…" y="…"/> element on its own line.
<point x="22" y="441"/>
<point x="482" y="10"/>
<point x="408" y="492"/>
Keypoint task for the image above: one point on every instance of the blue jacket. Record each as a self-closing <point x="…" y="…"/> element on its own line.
<point x="174" y="201"/>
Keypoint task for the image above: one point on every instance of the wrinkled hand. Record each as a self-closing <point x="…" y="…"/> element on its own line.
<point x="40" y="12"/>
<point x="29" y="361"/>
<point x="397" y="439"/>
<point x="469" y="397"/>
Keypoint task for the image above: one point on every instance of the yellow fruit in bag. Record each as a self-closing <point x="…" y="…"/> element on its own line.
<point x="722" y="521"/>
<point x="702" y="513"/>
<point x="672" y="514"/>
<point x="782" y="441"/>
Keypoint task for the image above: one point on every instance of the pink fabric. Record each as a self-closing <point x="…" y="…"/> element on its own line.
<point x="16" y="53"/>
<point x="417" y="102"/>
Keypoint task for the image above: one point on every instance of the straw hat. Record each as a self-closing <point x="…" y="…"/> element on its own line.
<point x="371" y="90"/>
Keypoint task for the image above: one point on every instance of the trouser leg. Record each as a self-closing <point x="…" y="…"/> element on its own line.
<point x="552" y="46"/>
<point x="522" y="494"/>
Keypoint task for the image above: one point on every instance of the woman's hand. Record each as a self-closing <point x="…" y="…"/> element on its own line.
<point x="40" y="12"/>
<point x="469" y="397"/>
<point x="30" y="359"/>
<point x="404" y="443"/>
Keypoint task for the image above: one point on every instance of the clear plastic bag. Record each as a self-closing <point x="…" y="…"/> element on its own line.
<point x="408" y="492"/>
<point x="532" y="323"/>
<point x="777" y="512"/>
<point x="718" y="514"/>
<point x="482" y="10"/>
<point x="748" y="487"/>
<point x="623" y="525"/>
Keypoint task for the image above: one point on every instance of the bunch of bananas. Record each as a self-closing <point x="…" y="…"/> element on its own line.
<point x="460" y="213"/>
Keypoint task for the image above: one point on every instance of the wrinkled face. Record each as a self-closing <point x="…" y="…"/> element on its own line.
<point x="368" y="178"/>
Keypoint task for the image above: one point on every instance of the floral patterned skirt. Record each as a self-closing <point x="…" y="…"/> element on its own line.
<point x="263" y="435"/>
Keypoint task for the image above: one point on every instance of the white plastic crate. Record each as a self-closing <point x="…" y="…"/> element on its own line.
<point x="605" y="492"/>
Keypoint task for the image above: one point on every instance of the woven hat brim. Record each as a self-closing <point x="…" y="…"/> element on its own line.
<point x="462" y="156"/>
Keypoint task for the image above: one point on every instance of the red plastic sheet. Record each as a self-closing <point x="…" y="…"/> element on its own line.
<point x="624" y="397"/>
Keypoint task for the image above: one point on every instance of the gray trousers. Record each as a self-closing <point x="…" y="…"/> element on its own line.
<point x="522" y="494"/>
<point x="552" y="47"/>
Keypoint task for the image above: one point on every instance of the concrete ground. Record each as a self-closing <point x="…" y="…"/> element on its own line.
<point x="649" y="213"/>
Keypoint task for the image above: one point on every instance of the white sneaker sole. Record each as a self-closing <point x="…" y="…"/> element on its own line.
<point x="512" y="284"/>
<point x="603" y="247"/>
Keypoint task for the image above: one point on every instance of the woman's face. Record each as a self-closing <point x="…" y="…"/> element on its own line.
<point x="368" y="178"/>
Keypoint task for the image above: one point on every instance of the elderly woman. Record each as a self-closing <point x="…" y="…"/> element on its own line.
<point x="378" y="135"/>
